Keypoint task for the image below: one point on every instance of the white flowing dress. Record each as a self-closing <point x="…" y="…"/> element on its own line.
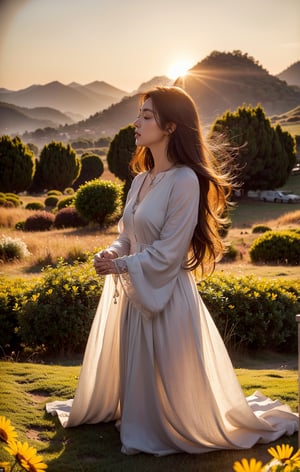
<point x="154" y="360"/>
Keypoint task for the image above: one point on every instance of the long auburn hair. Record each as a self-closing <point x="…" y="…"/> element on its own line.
<point x="186" y="147"/>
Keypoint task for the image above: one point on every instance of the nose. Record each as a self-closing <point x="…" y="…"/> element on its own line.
<point x="137" y="122"/>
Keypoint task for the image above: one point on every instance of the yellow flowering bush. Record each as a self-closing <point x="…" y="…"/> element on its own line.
<point x="283" y="460"/>
<point x="25" y="456"/>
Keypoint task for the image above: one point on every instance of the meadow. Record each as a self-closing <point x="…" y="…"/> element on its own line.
<point x="29" y="385"/>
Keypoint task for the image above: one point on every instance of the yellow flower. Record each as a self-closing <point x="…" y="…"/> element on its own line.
<point x="284" y="455"/>
<point x="7" y="431"/>
<point x="245" y="466"/>
<point x="26" y="456"/>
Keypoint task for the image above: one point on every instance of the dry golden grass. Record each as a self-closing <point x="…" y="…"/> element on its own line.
<point x="48" y="246"/>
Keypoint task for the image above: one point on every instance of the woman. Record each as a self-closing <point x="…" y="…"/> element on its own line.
<point x="155" y="361"/>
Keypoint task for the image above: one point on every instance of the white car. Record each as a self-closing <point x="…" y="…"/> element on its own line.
<point x="280" y="196"/>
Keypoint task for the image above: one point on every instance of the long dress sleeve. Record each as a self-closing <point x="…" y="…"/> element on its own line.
<point x="154" y="266"/>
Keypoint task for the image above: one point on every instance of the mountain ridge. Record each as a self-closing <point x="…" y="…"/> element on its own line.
<point x="221" y="81"/>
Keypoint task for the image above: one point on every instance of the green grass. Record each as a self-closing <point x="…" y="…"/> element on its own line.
<point x="92" y="448"/>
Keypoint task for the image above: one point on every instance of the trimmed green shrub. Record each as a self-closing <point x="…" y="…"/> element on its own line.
<point x="12" y="248"/>
<point x="3" y="201"/>
<point x="277" y="247"/>
<point x="51" y="201"/>
<point x="34" y="206"/>
<point x="50" y="193"/>
<point x="20" y="225"/>
<point x="254" y="314"/>
<point x="64" y="303"/>
<point x="13" y="199"/>
<point x="41" y="221"/>
<point x="249" y="313"/>
<point x="230" y="254"/>
<point x="98" y="199"/>
<point x="68" y="218"/>
<point x="11" y="298"/>
<point x="69" y="191"/>
<point x="261" y="229"/>
<point x="65" y="202"/>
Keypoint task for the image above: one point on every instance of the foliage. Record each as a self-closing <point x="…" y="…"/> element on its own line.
<point x="265" y="155"/>
<point x="65" y="202"/>
<point x="34" y="206"/>
<point x="96" y="200"/>
<point x="14" y="199"/>
<point x="120" y="153"/>
<point x="68" y="218"/>
<point x="17" y="165"/>
<point x="12" y="248"/>
<point x="91" y="168"/>
<point x="58" y="193"/>
<point x="279" y="247"/>
<point x="260" y="228"/>
<point x="64" y="301"/>
<point x="231" y="253"/>
<point x="40" y="221"/>
<point x="11" y="294"/>
<point x="255" y="314"/>
<point x="59" y="166"/>
<point x="51" y="201"/>
<point x="69" y="191"/>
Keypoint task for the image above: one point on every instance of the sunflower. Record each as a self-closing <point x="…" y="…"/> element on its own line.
<point x="284" y="455"/>
<point x="245" y="466"/>
<point x="26" y="456"/>
<point x="7" y="431"/>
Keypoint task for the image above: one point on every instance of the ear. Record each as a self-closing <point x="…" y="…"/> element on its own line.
<point x="170" y="128"/>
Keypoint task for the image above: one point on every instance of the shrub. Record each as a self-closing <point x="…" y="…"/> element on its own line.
<point x="64" y="302"/>
<point x="96" y="200"/>
<point x="68" y="218"/>
<point x="41" y="221"/>
<point x="69" y="191"/>
<point x="255" y="314"/>
<point x="20" y="225"/>
<point x="51" y="201"/>
<point x="57" y="193"/>
<point x="11" y="296"/>
<point x="12" y="248"/>
<point x="65" y="202"/>
<point x="34" y="206"/>
<point x="3" y="201"/>
<point x="13" y="199"/>
<point x="279" y="247"/>
<point x="260" y="229"/>
<point x="230" y="254"/>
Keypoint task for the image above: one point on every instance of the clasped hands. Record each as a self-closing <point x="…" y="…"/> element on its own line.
<point x="103" y="262"/>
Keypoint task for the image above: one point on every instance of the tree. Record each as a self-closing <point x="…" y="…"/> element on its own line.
<point x="59" y="166"/>
<point x="17" y="165"/>
<point x="265" y="155"/>
<point x="91" y="168"/>
<point x="120" y="153"/>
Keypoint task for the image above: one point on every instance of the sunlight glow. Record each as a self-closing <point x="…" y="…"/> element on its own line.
<point x="179" y="69"/>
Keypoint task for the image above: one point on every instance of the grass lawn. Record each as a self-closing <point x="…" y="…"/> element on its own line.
<point x="91" y="448"/>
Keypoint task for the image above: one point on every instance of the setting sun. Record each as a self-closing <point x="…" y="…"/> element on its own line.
<point x="179" y="69"/>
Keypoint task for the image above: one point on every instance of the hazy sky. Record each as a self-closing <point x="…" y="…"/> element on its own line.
<point x="127" y="42"/>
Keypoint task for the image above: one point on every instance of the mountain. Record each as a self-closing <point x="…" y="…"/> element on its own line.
<point x="154" y="82"/>
<point x="74" y="98"/>
<point x="220" y="82"/>
<point x="16" y="120"/>
<point x="224" y="81"/>
<point x="291" y="75"/>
